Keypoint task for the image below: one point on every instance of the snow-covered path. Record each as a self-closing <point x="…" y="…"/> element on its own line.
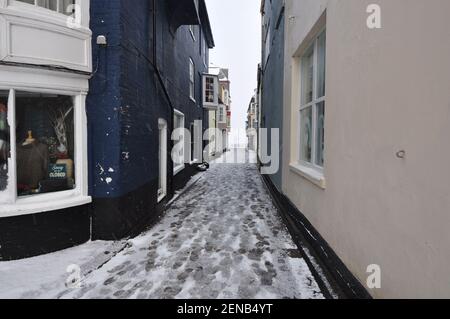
<point x="222" y="238"/>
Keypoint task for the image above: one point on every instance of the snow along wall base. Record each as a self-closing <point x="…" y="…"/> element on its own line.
<point x="305" y="235"/>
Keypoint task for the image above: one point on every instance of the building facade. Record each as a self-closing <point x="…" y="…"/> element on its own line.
<point x="364" y="108"/>
<point x="44" y="195"/>
<point x="271" y="78"/>
<point x="252" y="123"/>
<point x="148" y="84"/>
<point x="92" y="155"/>
<point x="224" y="112"/>
<point x="220" y="118"/>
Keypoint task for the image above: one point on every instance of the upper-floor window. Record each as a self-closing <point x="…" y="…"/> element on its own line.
<point x="221" y="115"/>
<point x="61" y="6"/>
<point x="226" y="97"/>
<point x="312" y="106"/>
<point x="267" y="44"/>
<point x="191" y="79"/>
<point x="210" y="91"/>
<point x="252" y="109"/>
<point x="62" y="25"/>
<point x="205" y="52"/>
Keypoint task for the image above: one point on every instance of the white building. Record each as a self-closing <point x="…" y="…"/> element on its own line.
<point x="45" y="66"/>
<point x="366" y="126"/>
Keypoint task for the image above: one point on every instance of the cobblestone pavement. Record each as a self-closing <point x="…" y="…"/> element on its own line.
<point x="222" y="238"/>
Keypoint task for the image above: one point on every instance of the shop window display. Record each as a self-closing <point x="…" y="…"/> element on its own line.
<point x="45" y="143"/>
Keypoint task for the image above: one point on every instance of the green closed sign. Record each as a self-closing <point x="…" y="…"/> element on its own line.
<point x="57" y="171"/>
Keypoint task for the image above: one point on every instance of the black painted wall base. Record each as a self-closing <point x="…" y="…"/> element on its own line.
<point x="130" y="215"/>
<point x="304" y="234"/>
<point x="181" y="179"/>
<point x="32" y="235"/>
<point x="126" y="216"/>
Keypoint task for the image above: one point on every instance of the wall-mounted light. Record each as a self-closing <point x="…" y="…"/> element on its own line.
<point x="101" y="40"/>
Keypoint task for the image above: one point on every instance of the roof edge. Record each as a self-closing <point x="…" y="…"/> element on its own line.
<point x="206" y="24"/>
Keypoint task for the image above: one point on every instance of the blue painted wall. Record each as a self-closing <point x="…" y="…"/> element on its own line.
<point x="273" y="76"/>
<point x="126" y="99"/>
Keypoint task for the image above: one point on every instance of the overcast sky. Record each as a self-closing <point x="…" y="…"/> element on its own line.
<point x="236" y="26"/>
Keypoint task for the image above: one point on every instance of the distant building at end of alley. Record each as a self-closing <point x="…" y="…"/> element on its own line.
<point x="252" y="123"/>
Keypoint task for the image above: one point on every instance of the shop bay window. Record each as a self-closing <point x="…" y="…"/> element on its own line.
<point x="44" y="143"/>
<point x="61" y="6"/>
<point x="39" y="148"/>
<point x="312" y="108"/>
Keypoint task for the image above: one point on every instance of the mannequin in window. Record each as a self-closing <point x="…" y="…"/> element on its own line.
<point x="32" y="163"/>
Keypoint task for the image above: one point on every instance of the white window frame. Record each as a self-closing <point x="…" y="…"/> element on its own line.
<point x="162" y="176"/>
<point x="181" y="157"/>
<point x="191" y="79"/>
<point x="210" y="105"/>
<point x="195" y="153"/>
<point x="205" y="52"/>
<point x="33" y="11"/>
<point x="268" y="44"/>
<point x="13" y="205"/>
<point x="191" y="31"/>
<point x="310" y="170"/>
<point x="226" y="97"/>
<point x="58" y="8"/>
<point x="223" y="118"/>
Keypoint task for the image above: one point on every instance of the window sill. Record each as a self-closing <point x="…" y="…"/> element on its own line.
<point x="192" y="35"/>
<point x="310" y="174"/>
<point x="178" y="169"/>
<point x="23" y="207"/>
<point x="192" y="99"/>
<point x="161" y="198"/>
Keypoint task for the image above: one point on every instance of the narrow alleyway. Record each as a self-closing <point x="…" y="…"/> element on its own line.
<point x="222" y="238"/>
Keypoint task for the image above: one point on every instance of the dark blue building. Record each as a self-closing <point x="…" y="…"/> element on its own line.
<point x="155" y="50"/>
<point x="271" y="77"/>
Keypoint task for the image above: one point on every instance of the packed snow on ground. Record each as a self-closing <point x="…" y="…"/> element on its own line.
<point x="41" y="277"/>
<point x="222" y="238"/>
